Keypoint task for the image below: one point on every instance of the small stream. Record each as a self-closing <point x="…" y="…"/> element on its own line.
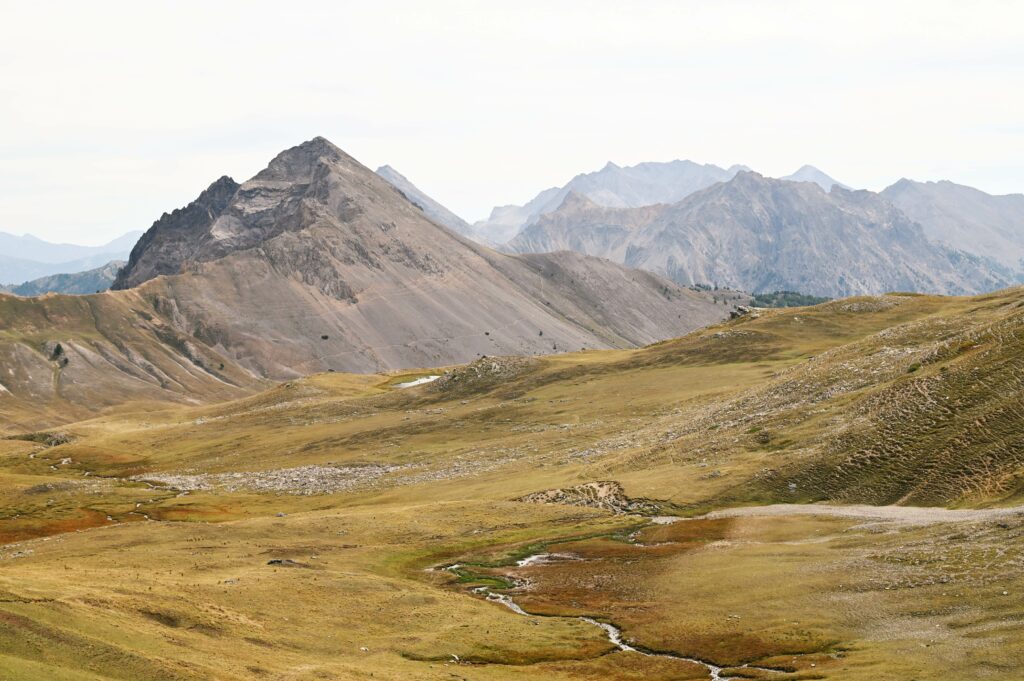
<point x="613" y="632"/>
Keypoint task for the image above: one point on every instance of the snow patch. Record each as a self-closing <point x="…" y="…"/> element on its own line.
<point x="418" y="381"/>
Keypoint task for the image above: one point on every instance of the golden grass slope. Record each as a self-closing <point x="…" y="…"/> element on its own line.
<point x="364" y="488"/>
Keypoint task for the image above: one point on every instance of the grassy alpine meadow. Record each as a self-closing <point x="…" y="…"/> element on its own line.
<point x="821" y="492"/>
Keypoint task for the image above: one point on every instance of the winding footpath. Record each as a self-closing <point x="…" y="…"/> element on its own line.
<point x="912" y="515"/>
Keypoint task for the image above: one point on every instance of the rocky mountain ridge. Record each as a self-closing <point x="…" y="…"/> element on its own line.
<point x="760" y="234"/>
<point x="318" y="264"/>
<point x="431" y="208"/>
<point x="965" y="218"/>
<point x="613" y="186"/>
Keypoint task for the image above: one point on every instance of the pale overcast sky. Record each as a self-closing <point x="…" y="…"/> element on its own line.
<point x="114" y="112"/>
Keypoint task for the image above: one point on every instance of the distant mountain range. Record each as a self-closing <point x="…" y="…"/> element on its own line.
<point x="24" y="258"/>
<point x="761" y="234"/>
<point x="647" y="216"/>
<point x="319" y="263"/>
<point x="964" y="241"/>
<point x="812" y="174"/>
<point x="614" y="186"/>
<point x="75" y="283"/>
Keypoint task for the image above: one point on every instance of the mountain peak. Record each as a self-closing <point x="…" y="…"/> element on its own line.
<point x="808" y="173"/>
<point x="222" y="182"/>
<point x="297" y="163"/>
<point x="749" y="177"/>
<point x="159" y="250"/>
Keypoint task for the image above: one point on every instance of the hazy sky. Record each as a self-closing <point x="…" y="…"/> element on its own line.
<point x="114" y="112"/>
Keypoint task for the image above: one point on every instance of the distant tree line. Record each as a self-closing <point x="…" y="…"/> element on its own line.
<point x="786" y="299"/>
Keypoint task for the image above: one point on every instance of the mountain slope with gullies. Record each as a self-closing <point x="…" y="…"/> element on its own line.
<point x="67" y="357"/>
<point x="760" y="234"/>
<point x="966" y="218"/>
<point x="318" y="264"/>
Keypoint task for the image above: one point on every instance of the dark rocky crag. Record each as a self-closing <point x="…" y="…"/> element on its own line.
<point x="177" y="237"/>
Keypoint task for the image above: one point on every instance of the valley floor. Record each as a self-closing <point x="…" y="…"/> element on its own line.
<point x="813" y="493"/>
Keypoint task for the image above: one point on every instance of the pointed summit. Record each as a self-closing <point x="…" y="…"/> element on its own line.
<point x="297" y="164"/>
<point x="160" y="250"/>
<point x="808" y="173"/>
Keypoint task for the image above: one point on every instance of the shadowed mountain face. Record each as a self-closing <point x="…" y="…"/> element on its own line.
<point x="179" y="237"/>
<point x="966" y="218"/>
<point x="618" y="187"/>
<point x="317" y="263"/>
<point x="760" y="234"/>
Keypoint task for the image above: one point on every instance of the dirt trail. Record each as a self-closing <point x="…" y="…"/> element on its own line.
<point x="914" y="515"/>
